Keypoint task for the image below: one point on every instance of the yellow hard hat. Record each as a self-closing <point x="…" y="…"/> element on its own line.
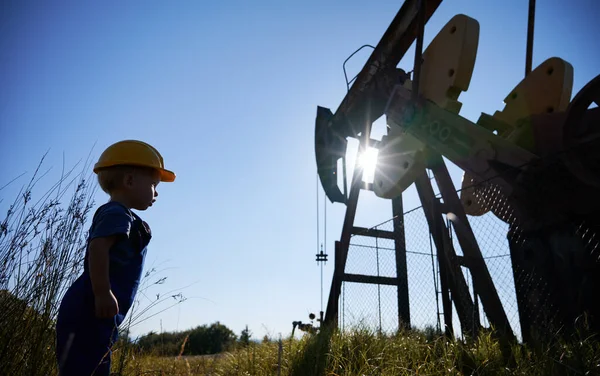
<point x="134" y="153"/>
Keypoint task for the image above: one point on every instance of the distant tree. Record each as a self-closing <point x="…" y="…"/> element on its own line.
<point x="149" y="341"/>
<point x="266" y="339"/>
<point x="212" y="339"/>
<point x="245" y="337"/>
<point x="202" y="340"/>
<point x="165" y="344"/>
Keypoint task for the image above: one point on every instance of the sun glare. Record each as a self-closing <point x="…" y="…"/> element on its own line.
<point x="367" y="161"/>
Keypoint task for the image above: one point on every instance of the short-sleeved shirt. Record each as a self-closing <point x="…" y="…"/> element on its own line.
<point x="126" y="261"/>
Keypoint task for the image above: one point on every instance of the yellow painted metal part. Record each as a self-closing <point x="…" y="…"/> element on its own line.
<point x="448" y="62"/>
<point x="447" y="68"/>
<point x="546" y="89"/>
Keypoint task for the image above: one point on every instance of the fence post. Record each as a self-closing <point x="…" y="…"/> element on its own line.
<point x="279" y="356"/>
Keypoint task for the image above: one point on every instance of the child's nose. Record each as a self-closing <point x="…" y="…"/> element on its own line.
<point x="155" y="193"/>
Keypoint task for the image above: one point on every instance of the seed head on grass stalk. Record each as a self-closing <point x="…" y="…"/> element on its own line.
<point x="138" y="314"/>
<point x="41" y="249"/>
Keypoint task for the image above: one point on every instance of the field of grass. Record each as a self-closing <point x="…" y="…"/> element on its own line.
<point x="363" y="352"/>
<point x="41" y="247"/>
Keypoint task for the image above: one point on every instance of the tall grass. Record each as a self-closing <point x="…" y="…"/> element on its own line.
<point x="42" y="248"/>
<point x="362" y="351"/>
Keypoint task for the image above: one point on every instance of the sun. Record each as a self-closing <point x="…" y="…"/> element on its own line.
<point x="367" y="161"/>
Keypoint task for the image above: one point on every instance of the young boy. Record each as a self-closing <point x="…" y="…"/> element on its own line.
<point x="97" y="302"/>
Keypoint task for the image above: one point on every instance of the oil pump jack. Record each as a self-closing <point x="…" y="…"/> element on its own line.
<point x="533" y="164"/>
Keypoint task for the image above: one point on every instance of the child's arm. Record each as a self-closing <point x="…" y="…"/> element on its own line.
<point x="106" y="303"/>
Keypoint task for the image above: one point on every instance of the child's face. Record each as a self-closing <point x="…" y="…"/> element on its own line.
<point x="141" y="188"/>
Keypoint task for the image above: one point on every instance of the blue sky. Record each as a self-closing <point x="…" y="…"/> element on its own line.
<point x="228" y="92"/>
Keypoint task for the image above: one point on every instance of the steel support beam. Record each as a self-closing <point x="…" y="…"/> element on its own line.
<point x="482" y="280"/>
<point x="372" y="232"/>
<point x="453" y="275"/>
<point x="401" y="268"/>
<point x="361" y="278"/>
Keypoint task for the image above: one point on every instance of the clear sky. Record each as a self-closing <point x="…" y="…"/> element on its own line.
<point x="227" y="91"/>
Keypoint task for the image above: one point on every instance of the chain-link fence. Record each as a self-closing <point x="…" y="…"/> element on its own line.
<point x="543" y="278"/>
<point x="377" y="305"/>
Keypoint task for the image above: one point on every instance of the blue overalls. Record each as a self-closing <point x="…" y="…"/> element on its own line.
<point x="84" y="341"/>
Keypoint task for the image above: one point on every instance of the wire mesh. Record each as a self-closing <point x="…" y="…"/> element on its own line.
<point x="377" y="305"/>
<point x="526" y="290"/>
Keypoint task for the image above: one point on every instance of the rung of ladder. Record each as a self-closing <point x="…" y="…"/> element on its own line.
<point x="372" y="232"/>
<point x="359" y="278"/>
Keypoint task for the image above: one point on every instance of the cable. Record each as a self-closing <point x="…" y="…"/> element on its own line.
<point x="321" y="247"/>
<point x="325" y="243"/>
<point x="318" y="237"/>
<point x="378" y="285"/>
<point x="321" y="287"/>
<point x="318" y="240"/>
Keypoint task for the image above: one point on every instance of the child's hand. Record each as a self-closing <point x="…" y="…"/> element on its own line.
<point x="106" y="305"/>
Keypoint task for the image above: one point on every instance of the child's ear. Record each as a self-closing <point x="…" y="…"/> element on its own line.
<point x="128" y="179"/>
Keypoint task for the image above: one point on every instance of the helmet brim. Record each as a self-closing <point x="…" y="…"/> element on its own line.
<point x="167" y="176"/>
